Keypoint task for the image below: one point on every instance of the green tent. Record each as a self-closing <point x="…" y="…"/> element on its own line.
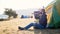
<point x="55" y="18"/>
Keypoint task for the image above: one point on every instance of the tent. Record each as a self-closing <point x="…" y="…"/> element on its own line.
<point x="55" y="18"/>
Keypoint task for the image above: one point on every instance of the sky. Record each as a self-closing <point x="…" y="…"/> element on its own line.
<point x="22" y="4"/>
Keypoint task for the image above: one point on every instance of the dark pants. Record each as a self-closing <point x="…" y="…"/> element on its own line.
<point x="34" y="25"/>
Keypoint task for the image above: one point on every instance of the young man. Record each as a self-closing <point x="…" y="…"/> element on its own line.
<point x="41" y="17"/>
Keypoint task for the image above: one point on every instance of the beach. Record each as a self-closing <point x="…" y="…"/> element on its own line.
<point x="11" y="27"/>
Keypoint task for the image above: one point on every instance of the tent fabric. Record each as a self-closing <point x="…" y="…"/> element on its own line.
<point x="55" y="18"/>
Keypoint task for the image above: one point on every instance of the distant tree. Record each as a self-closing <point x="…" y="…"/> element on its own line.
<point x="10" y="13"/>
<point x="14" y="14"/>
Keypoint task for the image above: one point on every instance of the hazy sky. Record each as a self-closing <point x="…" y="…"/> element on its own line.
<point x="22" y="4"/>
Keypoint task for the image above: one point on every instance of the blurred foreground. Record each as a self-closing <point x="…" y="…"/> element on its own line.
<point x="11" y="27"/>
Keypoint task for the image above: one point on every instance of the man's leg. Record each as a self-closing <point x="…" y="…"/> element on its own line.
<point x="38" y="26"/>
<point x="32" y="24"/>
<point x="28" y="26"/>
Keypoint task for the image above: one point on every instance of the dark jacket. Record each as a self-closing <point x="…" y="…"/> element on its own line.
<point x="43" y="18"/>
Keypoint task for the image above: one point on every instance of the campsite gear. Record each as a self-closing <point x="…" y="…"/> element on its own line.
<point x="55" y="18"/>
<point x="24" y="16"/>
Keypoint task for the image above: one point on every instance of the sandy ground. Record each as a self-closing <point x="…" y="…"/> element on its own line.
<point x="11" y="27"/>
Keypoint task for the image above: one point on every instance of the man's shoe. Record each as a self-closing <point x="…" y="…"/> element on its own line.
<point x="20" y="28"/>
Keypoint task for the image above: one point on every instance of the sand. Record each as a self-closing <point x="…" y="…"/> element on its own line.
<point x="11" y="27"/>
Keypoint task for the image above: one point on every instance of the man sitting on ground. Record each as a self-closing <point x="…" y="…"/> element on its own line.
<point x="42" y="20"/>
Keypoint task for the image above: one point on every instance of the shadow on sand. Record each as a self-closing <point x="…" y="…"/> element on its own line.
<point x="47" y="31"/>
<point x="38" y="31"/>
